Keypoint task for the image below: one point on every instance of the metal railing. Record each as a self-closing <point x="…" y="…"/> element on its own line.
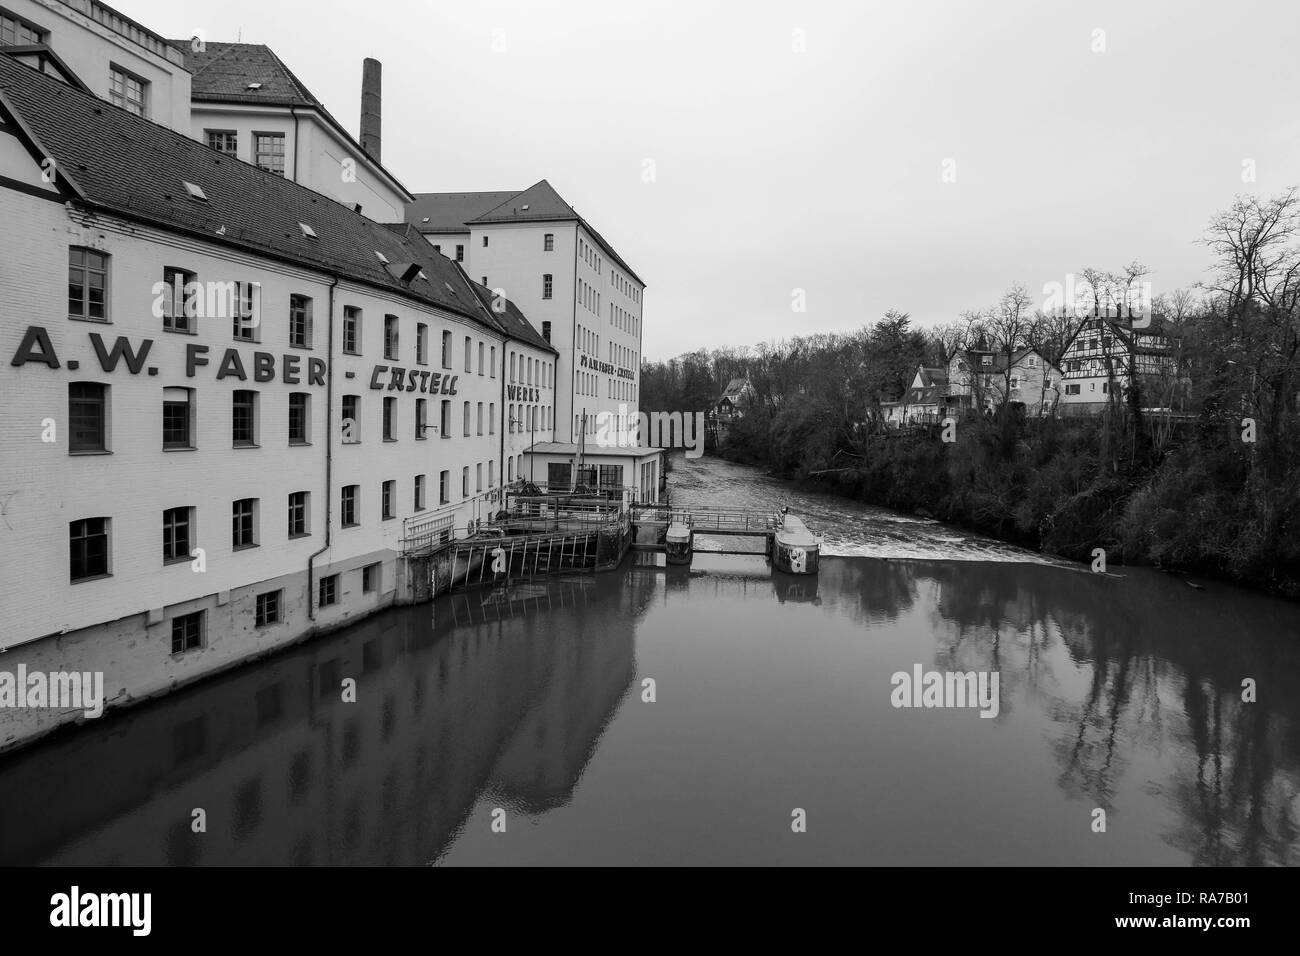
<point x="734" y="520"/>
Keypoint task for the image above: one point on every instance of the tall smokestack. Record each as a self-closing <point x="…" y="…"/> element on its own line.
<point x="371" y="90"/>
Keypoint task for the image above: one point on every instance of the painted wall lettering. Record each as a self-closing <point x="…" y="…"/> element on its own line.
<point x="35" y="347"/>
<point x="412" y="380"/>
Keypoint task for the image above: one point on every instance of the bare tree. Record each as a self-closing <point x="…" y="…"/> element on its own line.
<point x="1009" y="325"/>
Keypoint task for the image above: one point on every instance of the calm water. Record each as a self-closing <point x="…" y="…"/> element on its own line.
<point x="1120" y="693"/>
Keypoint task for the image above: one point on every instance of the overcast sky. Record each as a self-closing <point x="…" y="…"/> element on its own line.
<point x="803" y="145"/>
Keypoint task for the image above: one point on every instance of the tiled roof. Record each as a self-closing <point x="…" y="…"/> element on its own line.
<point x="513" y="322"/>
<point x="444" y="211"/>
<point x="449" y="212"/>
<point x="224" y="71"/>
<point x="137" y="169"/>
<point x="538" y="203"/>
<point x="735" y="387"/>
<point x="933" y="376"/>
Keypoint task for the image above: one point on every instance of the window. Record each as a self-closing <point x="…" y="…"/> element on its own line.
<point x="421" y="344"/>
<point x="478" y="477"/>
<point x="466" y="419"/>
<point x="546" y="330"/>
<point x="187" y="632"/>
<point x="469" y="355"/>
<point x="387" y="494"/>
<point x="611" y="477"/>
<point x="243" y="419"/>
<point x="444" y="479"/>
<point x="419" y="492"/>
<point x="351" y="330"/>
<point x="370" y="578"/>
<point x="558" y="474"/>
<point x="87" y="285"/>
<point x="492" y="474"/>
<point x="1033" y="361"/>
<point x="87" y="417"/>
<point x="1072" y="390"/>
<point x="127" y="91"/>
<point x="480" y="418"/>
<point x="178" y="308"/>
<point x="492" y="362"/>
<point x="512" y="366"/>
<point x="298" y="504"/>
<point x="986" y="359"/>
<point x="16" y="32"/>
<point x="299" y="417"/>
<point x="223" y="141"/>
<point x="390" y="414"/>
<point x="88" y="548"/>
<point x="464" y="482"/>
<point x="351" y="419"/>
<point x="445" y="423"/>
<point x="348" y="511"/>
<point x="300" y="321"/>
<point x="446" y="350"/>
<point x="176" y="535"/>
<point x="485" y="242"/>
<point x="390" y="336"/>
<point x="243" y="524"/>
<point x="546" y="286"/>
<point x="328" y="592"/>
<point x="460" y="253"/>
<point x="480" y="358"/>
<point x="548" y="242"/>
<point x="268" y="609"/>
<point x="244" y="311"/>
<point x="268" y="152"/>
<point x="492" y="418"/>
<point x="421" y="418"/>
<point x="178" y="417"/>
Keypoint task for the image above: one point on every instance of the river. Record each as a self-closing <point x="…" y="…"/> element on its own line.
<point x="513" y="726"/>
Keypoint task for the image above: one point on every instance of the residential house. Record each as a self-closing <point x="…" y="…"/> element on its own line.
<point x="736" y="397"/>
<point x="986" y="379"/>
<point x="922" y="402"/>
<point x="1102" y="354"/>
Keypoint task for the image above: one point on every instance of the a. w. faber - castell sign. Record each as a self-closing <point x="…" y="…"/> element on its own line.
<point x="586" y="361"/>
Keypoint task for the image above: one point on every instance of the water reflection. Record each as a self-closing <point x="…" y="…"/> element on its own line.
<point x="450" y="706"/>
<point x="1121" y="692"/>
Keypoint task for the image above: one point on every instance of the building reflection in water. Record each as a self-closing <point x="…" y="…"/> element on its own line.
<point x="503" y="692"/>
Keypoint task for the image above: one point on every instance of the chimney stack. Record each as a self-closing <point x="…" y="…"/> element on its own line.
<point x="371" y="89"/>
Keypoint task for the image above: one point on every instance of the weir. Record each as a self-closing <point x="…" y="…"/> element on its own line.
<point x="541" y="534"/>
<point x="672" y="530"/>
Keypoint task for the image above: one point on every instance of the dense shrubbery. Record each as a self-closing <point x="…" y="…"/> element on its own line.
<point x="1199" y="508"/>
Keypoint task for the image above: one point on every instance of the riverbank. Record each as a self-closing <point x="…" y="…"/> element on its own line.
<point x="1198" y="508"/>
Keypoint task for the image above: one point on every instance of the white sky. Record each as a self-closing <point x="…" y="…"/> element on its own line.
<point x="819" y="170"/>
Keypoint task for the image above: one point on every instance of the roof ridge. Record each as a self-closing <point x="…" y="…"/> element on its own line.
<point x="229" y="48"/>
<point x="298" y="84"/>
<point x="500" y="204"/>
